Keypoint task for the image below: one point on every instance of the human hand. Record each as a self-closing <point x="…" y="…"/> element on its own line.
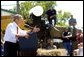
<point x="66" y="37"/>
<point x="51" y="17"/>
<point x="35" y="29"/>
<point x="38" y="29"/>
<point x="27" y="36"/>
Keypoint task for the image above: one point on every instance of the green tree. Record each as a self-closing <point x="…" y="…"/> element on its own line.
<point x="26" y="6"/>
<point x="46" y="4"/>
<point x="62" y="18"/>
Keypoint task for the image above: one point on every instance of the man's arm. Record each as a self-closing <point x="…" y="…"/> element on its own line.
<point x="63" y="35"/>
<point x="23" y="33"/>
<point x="34" y="30"/>
<point x="18" y="35"/>
<point x="52" y="16"/>
<point x="68" y="36"/>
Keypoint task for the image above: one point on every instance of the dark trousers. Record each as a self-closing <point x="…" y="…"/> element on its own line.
<point x="68" y="46"/>
<point x="28" y="53"/>
<point x="50" y="21"/>
<point x="10" y="49"/>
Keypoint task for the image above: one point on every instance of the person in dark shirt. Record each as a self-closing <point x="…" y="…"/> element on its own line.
<point x="66" y="41"/>
<point x="51" y="15"/>
<point x="36" y="19"/>
<point x="28" y="47"/>
<point x="73" y="30"/>
<point x="72" y="21"/>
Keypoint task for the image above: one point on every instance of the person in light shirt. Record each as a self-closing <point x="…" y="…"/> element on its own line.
<point x="12" y="33"/>
<point x="79" y="50"/>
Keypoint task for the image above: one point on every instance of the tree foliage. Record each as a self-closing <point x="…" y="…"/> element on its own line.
<point x="25" y="7"/>
<point x="62" y="18"/>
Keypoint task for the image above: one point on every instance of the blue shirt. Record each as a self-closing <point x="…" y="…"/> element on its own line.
<point x="29" y="44"/>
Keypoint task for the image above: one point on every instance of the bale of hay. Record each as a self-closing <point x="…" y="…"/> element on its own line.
<point x="52" y="52"/>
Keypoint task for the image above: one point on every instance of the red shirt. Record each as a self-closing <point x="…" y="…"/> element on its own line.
<point x="79" y="38"/>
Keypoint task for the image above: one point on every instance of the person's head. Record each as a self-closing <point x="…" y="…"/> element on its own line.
<point x="51" y="8"/>
<point x="78" y="45"/>
<point x="79" y="31"/>
<point x="38" y="29"/>
<point x="18" y="19"/>
<point x="66" y="29"/>
<point x="71" y="16"/>
<point x="81" y="44"/>
<point x="50" y="41"/>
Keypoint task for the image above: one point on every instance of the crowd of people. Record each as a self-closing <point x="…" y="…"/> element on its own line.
<point x="14" y="34"/>
<point x="73" y="38"/>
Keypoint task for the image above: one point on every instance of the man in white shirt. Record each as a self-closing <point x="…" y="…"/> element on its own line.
<point x="12" y="33"/>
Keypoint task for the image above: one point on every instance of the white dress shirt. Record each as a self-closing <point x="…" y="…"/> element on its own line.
<point x="11" y="31"/>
